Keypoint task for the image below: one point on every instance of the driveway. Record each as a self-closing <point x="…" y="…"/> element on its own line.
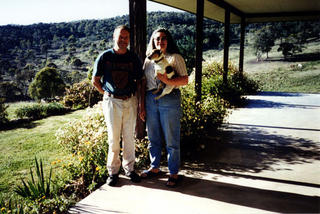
<point x="264" y="159"/>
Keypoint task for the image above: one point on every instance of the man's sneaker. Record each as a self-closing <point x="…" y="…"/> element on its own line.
<point x="134" y="177"/>
<point x="112" y="180"/>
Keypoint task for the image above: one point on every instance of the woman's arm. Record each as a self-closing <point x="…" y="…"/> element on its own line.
<point x="179" y="66"/>
<point x="177" y="81"/>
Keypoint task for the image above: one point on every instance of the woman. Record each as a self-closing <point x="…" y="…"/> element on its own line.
<point x="163" y="115"/>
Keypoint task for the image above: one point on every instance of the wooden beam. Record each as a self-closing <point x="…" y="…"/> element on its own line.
<point x="226" y="45"/>
<point x="242" y="39"/>
<point x="199" y="48"/>
<point x="138" y="27"/>
<point x="227" y="6"/>
<point x="283" y="14"/>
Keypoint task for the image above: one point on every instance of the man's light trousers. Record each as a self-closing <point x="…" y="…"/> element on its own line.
<point x="120" y="116"/>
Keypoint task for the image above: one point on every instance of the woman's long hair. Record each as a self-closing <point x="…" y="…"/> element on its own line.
<point x="171" y="46"/>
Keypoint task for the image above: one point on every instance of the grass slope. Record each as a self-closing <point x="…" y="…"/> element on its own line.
<point x="19" y="147"/>
<point x="276" y="74"/>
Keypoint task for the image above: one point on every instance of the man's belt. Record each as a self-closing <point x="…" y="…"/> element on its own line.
<point x="122" y="97"/>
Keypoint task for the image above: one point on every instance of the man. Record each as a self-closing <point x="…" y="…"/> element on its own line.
<point x="117" y="74"/>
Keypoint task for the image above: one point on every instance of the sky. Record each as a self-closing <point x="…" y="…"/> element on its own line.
<point x="25" y="12"/>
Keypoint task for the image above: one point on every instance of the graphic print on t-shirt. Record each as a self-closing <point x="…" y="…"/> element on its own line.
<point x="120" y="73"/>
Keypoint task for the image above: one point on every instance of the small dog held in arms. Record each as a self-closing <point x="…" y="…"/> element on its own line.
<point x="162" y="66"/>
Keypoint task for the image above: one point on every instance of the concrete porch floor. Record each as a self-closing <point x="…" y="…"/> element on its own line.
<point x="265" y="159"/>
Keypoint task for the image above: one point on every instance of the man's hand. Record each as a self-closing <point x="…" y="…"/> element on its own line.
<point x="97" y="83"/>
<point x="142" y="115"/>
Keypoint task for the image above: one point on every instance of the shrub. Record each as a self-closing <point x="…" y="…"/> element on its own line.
<point x="33" y="111"/>
<point x="81" y="95"/>
<point x="54" y="109"/>
<point x="201" y="118"/>
<point x="38" y="111"/>
<point x="86" y="139"/>
<point x="237" y="84"/>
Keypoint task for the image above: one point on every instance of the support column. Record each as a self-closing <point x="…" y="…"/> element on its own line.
<point x="226" y="45"/>
<point x="138" y="27"/>
<point x="199" y="48"/>
<point x="242" y="39"/>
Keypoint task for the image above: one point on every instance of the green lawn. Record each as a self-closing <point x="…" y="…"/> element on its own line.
<point x="286" y="79"/>
<point x="19" y="147"/>
<point x="274" y="73"/>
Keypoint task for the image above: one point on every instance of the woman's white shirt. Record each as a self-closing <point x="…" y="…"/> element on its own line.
<point x="175" y="60"/>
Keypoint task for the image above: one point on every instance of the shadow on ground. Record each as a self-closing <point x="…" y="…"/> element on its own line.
<point x="268" y="200"/>
<point x="253" y="150"/>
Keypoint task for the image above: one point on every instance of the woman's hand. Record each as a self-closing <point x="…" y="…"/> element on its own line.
<point x="163" y="78"/>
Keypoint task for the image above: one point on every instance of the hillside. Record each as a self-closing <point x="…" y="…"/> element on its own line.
<point x="71" y="47"/>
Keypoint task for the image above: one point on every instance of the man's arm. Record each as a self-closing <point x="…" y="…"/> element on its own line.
<point x="97" y="83"/>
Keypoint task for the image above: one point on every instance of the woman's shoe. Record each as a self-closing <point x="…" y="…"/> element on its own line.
<point x="173" y="182"/>
<point x="149" y="174"/>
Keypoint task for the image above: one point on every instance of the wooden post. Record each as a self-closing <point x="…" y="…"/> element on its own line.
<point x="138" y="27"/>
<point x="226" y="45"/>
<point x="199" y="48"/>
<point x="242" y="39"/>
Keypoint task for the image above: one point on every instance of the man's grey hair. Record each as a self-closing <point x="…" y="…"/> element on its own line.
<point x="121" y="27"/>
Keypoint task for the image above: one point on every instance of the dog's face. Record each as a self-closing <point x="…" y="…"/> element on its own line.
<point x="156" y="54"/>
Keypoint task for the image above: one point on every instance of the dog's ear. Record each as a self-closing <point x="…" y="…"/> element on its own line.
<point x="151" y="54"/>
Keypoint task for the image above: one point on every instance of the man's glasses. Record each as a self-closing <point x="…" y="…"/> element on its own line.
<point x="161" y="38"/>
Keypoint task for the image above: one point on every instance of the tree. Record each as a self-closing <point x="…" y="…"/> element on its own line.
<point x="263" y="40"/>
<point x="290" y="46"/>
<point x="46" y="84"/>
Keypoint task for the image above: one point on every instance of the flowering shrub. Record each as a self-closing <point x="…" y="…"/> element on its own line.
<point x="199" y="119"/>
<point x="86" y="139"/>
<point x="81" y="95"/>
<point x="142" y="153"/>
<point x="237" y="84"/>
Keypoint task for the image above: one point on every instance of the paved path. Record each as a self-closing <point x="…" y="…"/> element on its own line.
<point x="265" y="159"/>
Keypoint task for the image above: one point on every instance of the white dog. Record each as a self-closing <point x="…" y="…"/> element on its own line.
<point x="162" y="66"/>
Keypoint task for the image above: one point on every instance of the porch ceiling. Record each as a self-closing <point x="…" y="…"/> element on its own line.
<point x="252" y="10"/>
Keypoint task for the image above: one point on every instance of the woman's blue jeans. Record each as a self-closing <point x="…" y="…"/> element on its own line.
<point x="163" y="122"/>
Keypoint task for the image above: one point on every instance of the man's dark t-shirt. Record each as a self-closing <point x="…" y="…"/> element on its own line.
<point x="119" y="72"/>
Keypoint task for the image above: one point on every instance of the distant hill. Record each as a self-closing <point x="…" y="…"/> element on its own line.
<point x="71" y="47"/>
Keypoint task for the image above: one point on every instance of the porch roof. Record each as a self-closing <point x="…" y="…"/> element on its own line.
<point x="252" y="10"/>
